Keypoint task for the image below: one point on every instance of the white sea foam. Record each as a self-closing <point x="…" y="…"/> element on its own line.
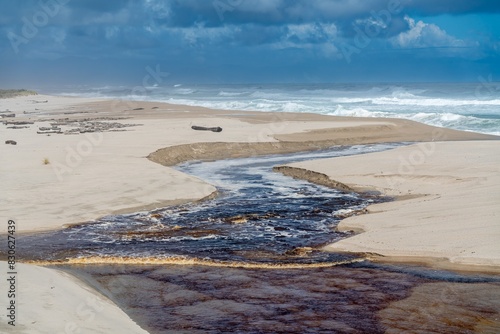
<point x="433" y="102"/>
<point x="455" y="106"/>
<point x="357" y="112"/>
<point x="185" y="91"/>
<point x="230" y="94"/>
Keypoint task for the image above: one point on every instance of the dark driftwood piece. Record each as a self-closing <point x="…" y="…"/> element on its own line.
<point x="202" y="128"/>
<point x="11" y="142"/>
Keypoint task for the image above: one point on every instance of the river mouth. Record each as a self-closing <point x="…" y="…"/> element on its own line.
<point x="259" y="218"/>
<point x="249" y="261"/>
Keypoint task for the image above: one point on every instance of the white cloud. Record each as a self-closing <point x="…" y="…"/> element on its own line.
<point x="257" y="6"/>
<point x="313" y="36"/>
<point x="121" y="17"/>
<point x="201" y="35"/>
<point x="111" y="32"/>
<point x="59" y="35"/>
<point x="422" y="35"/>
<point x="160" y="9"/>
<point x="312" y="32"/>
<point x="302" y="31"/>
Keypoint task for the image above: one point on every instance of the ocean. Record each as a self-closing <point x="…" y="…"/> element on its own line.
<point x="462" y="106"/>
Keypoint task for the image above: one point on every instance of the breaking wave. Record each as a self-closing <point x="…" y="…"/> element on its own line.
<point x="459" y="106"/>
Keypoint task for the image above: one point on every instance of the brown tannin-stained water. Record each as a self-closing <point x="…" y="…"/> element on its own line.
<point x="232" y="300"/>
<point x="249" y="262"/>
<point x="342" y="299"/>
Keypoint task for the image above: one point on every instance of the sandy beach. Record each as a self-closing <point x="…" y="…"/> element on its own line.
<point x="52" y="301"/>
<point x="446" y="212"/>
<point x="92" y="174"/>
<point x="114" y="157"/>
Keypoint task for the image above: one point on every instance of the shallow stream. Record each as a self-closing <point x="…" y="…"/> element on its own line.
<point x="248" y="261"/>
<point x="259" y="216"/>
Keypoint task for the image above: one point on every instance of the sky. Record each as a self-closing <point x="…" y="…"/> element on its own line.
<point x="93" y="42"/>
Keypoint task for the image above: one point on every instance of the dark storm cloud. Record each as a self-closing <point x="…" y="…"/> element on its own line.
<point x="262" y="12"/>
<point x="247" y="14"/>
<point x="183" y="13"/>
<point x="227" y="36"/>
<point x="99" y="5"/>
<point x="454" y="7"/>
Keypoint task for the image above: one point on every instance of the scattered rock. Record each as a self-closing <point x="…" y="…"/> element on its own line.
<point x="52" y="128"/>
<point x="85" y="126"/>
<point x="77" y="112"/>
<point x="11" y="142"/>
<point x="236" y="220"/>
<point x="202" y="128"/>
<point x="18" y="127"/>
<point x="241" y="219"/>
<point x="49" y="131"/>
<point x="18" y="122"/>
<point x="299" y="251"/>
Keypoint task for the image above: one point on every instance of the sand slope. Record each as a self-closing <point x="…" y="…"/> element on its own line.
<point x="50" y="301"/>
<point x="451" y="210"/>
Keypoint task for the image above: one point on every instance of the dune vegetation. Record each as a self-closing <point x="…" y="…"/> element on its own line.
<point x="6" y="93"/>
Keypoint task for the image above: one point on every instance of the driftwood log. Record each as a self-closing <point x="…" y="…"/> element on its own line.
<point x="50" y="131"/>
<point x="11" y="142"/>
<point x="202" y="128"/>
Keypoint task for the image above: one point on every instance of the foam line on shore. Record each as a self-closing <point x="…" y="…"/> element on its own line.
<point x="189" y="262"/>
